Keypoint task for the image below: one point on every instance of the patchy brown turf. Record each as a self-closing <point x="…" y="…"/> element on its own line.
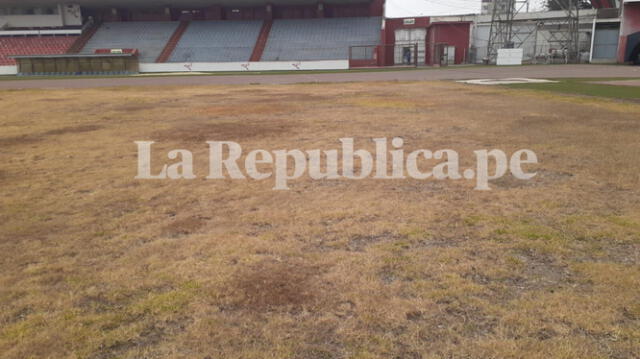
<point x="96" y="264"/>
<point x="194" y="131"/>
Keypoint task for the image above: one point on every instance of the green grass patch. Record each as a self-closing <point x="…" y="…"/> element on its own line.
<point x="586" y="87"/>
<point x="169" y="302"/>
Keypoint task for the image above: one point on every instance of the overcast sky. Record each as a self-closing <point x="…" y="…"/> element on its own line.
<point x="404" y="8"/>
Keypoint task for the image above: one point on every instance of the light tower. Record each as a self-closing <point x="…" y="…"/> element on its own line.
<point x="505" y="34"/>
<point x="503" y="13"/>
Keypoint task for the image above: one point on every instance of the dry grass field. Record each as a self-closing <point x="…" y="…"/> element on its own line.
<point x="97" y="264"/>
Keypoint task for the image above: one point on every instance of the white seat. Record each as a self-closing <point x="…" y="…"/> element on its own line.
<point x="217" y="41"/>
<point x="320" y="39"/>
<point x="149" y="37"/>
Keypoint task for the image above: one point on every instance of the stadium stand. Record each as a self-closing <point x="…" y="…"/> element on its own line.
<point x="261" y="43"/>
<point x="173" y="42"/>
<point x="149" y="38"/>
<point x="36" y="45"/>
<point x="217" y="41"/>
<point x="320" y="39"/>
<point x="82" y="40"/>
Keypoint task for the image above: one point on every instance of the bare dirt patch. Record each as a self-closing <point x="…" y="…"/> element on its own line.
<point x="18" y="140"/>
<point x="137" y="107"/>
<point x="237" y="110"/>
<point x="35" y="138"/>
<point x="223" y="131"/>
<point x="543" y="178"/>
<point x="184" y="226"/>
<point x="276" y="285"/>
<point x="72" y="130"/>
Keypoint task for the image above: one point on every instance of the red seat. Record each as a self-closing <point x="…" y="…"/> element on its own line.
<point x="39" y="45"/>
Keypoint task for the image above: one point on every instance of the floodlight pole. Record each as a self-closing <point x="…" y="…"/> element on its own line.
<point x="501" y="34"/>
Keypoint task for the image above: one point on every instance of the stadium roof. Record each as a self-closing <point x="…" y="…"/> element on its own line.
<point x="173" y="3"/>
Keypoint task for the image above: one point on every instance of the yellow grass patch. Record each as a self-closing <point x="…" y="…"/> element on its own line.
<point x="96" y="264"/>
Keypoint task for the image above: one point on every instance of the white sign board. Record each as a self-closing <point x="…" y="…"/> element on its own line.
<point x="510" y="57"/>
<point x="8" y="70"/>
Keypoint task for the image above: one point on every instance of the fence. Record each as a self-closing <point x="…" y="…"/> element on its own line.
<point x="293" y="52"/>
<point x="554" y="54"/>
<point x="408" y="55"/>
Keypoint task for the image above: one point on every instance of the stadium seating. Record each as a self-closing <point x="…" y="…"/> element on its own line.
<point x="149" y="38"/>
<point x="217" y="41"/>
<point x="214" y="41"/>
<point x="37" y="45"/>
<point x="320" y="39"/>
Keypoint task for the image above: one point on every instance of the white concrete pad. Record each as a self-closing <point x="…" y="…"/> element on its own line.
<point x="507" y="81"/>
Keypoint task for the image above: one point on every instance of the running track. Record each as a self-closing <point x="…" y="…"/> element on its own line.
<point x="459" y="73"/>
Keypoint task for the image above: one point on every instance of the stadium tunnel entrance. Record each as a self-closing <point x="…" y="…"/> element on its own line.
<point x="632" y="53"/>
<point x="629" y="49"/>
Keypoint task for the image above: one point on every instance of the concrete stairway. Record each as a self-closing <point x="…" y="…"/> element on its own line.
<point x="261" y="43"/>
<point x="173" y="42"/>
<point x="79" y="44"/>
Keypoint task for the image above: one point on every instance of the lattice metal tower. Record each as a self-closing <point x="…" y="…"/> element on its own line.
<point x="505" y="34"/>
<point x="501" y="32"/>
<point x="569" y="37"/>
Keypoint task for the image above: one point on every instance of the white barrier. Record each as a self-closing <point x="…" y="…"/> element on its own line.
<point x="8" y="70"/>
<point x="227" y="66"/>
<point x="245" y="66"/>
<point x="40" y="32"/>
<point x="510" y="57"/>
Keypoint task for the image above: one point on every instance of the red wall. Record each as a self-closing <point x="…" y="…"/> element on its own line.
<point x="295" y="12"/>
<point x="158" y="14"/>
<point x="348" y="10"/>
<point x="244" y="13"/>
<point x="108" y="15"/>
<point x="630" y="25"/>
<point x="376" y="8"/>
<point x="364" y="9"/>
<point x="213" y="13"/>
<point x="453" y="34"/>
<point x="388" y="35"/>
<point x="603" y="4"/>
<point x="394" y="24"/>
